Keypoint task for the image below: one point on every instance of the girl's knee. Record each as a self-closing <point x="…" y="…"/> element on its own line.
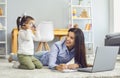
<point x="39" y="66"/>
<point x="31" y="67"/>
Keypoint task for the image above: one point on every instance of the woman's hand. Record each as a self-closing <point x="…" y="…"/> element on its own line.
<point x="61" y="67"/>
<point x="73" y="66"/>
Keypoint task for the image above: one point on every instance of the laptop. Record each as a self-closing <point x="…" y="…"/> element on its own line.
<point x="104" y="60"/>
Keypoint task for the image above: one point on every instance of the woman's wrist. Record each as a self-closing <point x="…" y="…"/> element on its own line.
<point x="77" y="65"/>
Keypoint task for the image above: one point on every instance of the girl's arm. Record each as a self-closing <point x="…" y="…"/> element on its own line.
<point x="36" y="36"/>
<point x="25" y="35"/>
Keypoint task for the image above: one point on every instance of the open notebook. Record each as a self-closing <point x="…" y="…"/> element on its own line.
<point x="69" y="70"/>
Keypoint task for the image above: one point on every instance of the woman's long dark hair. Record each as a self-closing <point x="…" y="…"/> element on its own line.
<point x="80" y="53"/>
<point x="22" y="20"/>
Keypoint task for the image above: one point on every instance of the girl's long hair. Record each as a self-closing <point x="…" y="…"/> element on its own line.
<point x="80" y="53"/>
<point x="21" y="21"/>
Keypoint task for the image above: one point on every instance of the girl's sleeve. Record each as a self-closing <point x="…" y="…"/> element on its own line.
<point x="53" y="56"/>
<point x="25" y="35"/>
<point x="37" y="36"/>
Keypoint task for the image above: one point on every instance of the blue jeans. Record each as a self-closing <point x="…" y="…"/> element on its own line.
<point x="38" y="55"/>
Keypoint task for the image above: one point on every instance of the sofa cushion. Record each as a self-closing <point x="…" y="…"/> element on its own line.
<point x="113" y="35"/>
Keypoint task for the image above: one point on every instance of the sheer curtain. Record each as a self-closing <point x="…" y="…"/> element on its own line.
<point x="114" y="15"/>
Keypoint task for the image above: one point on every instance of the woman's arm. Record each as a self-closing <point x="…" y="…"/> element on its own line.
<point x="73" y="66"/>
<point x="61" y="67"/>
<point x="53" y="56"/>
<point x="64" y="66"/>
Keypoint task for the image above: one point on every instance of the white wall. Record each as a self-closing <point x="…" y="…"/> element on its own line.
<point x="41" y="10"/>
<point x="100" y="20"/>
<point x="57" y="11"/>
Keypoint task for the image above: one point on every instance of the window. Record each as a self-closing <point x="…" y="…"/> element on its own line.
<point x="114" y="15"/>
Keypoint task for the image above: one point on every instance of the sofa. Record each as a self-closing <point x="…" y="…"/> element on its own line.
<point x="113" y="40"/>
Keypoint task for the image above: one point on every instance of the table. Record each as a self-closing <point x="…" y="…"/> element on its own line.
<point x="60" y="33"/>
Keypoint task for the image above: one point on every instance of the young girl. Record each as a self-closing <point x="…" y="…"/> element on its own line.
<point x="26" y="36"/>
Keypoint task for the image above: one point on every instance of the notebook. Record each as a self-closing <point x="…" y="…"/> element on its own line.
<point x="69" y="70"/>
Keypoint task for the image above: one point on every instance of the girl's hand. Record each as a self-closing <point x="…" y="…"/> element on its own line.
<point x="73" y="66"/>
<point x="33" y="28"/>
<point x="61" y="67"/>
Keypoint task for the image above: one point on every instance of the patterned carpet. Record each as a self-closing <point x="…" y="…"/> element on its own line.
<point x="6" y="71"/>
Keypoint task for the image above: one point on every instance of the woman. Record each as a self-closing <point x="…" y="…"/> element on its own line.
<point x="73" y="46"/>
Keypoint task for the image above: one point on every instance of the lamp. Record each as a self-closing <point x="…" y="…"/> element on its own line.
<point x="46" y="34"/>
